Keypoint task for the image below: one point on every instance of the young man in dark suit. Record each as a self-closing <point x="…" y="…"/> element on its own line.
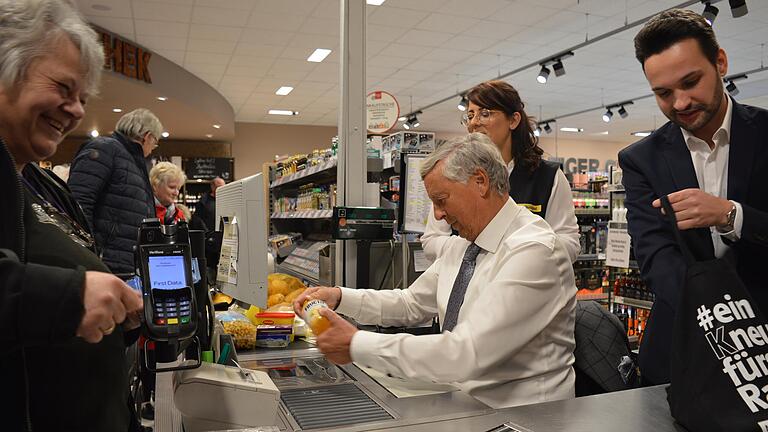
<point x="711" y="159"/>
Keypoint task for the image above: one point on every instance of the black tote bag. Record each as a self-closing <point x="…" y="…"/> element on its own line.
<point x="719" y="357"/>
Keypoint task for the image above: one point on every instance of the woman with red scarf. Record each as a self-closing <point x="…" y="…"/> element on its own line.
<point x="167" y="179"/>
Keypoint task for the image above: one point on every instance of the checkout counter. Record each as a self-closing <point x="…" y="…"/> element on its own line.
<point x="316" y="395"/>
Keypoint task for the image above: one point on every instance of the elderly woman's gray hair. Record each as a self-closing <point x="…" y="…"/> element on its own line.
<point x="137" y="123"/>
<point x="28" y="30"/>
<point x="164" y="172"/>
<point x="463" y="156"/>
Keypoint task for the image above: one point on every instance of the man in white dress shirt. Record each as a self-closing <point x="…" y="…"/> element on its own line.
<point x="509" y="338"/>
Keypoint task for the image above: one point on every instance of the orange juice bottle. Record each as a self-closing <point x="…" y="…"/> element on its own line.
<point x="311" y="309"/>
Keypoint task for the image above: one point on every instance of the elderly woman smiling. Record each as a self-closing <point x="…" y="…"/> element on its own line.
<point x="63" y="358"/>
<point x="167" y="179"/>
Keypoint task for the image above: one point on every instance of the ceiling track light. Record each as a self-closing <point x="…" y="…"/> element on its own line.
<point x="412" y="122"/>
<point x="547" y="128"/>
<point x="710" y="13"/>
<point x="738" y="8"/>
<point x="619" y="107"/>
<point x="537" y="131"/>
<point x="556" y="62"/>
<point x="558" y="68"/>
<point x="543" y="75"/>
<point x="731" y="85"/>
<point x="463" y="103"/>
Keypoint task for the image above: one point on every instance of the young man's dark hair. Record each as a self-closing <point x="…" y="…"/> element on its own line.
<point x="671" y="27"/>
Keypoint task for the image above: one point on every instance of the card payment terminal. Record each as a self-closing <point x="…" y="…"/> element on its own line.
<point x="164" y="263"/>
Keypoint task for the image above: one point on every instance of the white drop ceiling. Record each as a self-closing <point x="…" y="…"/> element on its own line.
<point x="425" y="50"/>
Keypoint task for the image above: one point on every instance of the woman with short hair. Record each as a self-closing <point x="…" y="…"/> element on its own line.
<point x="62" y="361"/>
<point x="167" y="180"/>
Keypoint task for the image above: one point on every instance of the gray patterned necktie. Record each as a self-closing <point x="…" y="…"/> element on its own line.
<point x="460" y="286"/>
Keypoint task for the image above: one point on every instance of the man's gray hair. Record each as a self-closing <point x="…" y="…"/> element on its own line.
<point x="137" y="123"/>
<point x="463" y="156"/>
<point x="28" y="31"/>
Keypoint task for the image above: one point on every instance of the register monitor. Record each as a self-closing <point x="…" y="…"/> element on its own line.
<point x="240" y="205"/>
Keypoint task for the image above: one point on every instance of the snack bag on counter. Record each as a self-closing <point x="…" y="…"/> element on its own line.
<point x="240" y="327"/>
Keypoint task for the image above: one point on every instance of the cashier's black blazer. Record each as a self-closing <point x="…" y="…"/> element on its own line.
<point x="661" y="164"/>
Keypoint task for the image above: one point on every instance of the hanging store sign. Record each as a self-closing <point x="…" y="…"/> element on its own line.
<point x="383" y="111"/>
<point x="124" y="57"/>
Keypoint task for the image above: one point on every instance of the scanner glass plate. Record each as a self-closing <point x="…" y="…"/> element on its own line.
<point x="299" y="372"/>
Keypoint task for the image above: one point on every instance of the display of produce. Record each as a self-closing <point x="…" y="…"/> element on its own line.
<point x="282" y="290"/>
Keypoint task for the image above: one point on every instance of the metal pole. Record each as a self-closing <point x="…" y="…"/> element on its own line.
<point x="352" y="128"/>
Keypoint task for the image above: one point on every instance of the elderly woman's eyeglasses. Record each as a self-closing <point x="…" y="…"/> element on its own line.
<point x="483" y="116"/>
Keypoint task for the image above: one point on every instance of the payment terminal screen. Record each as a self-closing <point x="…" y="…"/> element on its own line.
<point x="166" y="272"/>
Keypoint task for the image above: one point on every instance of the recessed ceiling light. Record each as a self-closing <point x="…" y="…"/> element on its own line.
<point x="94" y="133"/>
<point x="284" y="90"/>
<point x="641" y="133"/>
<point x="601" y="133"/>
<point x="117" y="110"/>
<point x="209" y="135"/>
<point x="165" y="134"/>
<point x="101" y="7"/>
<point x="319" y="55"/>
<point x="162" y="98"/>
<point x="199" y="180"/>
<point x="571" y="129"/>
<point x="217" y="126"/>
<point x="375" y="2"/>
<point x="283" y="112"/>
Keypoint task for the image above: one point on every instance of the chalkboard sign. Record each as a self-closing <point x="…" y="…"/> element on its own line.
<point x="208" y="168"/>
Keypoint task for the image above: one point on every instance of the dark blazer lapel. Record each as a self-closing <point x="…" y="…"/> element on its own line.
<point x="678" y="159"/>
<point x="741" y="153"/>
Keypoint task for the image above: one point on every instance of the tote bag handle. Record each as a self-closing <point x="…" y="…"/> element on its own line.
<point x="667" y="206"/>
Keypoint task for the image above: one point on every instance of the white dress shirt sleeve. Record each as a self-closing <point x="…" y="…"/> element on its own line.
<point x="519" y="301"/>
<point x="562" y="217"/>
<point x="398" y="307"/>
<point x="435" y="236"/>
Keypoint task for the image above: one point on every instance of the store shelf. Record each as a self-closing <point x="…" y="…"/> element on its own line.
<point x="629" y="301"/>
<point x="591" y="257"/>
<point x="303" y="214"/>
<point x="317" y="170"/>
<point x="616" y="188"/>
<point x="592" y="212"/>
<point x="595" y="296"/>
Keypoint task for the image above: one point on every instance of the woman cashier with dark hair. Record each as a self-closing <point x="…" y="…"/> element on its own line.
<point x="495" y="109"/>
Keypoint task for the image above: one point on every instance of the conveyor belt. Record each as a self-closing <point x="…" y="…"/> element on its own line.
<point x="332" y="406"/>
